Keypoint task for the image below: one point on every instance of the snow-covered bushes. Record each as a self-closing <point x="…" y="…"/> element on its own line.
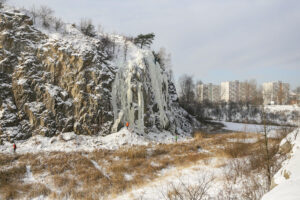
<point x="239" y="112"/>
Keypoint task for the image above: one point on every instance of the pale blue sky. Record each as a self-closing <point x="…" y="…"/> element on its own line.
<point x="213" y="40"/>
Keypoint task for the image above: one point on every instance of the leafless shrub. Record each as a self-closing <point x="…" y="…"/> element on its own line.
<point x="34" y="13"/>
<point x="87" y="28"/>
<point x="107" y="47"/>
<point x="46" y="15"/>
<point x="58" y="24"/>
<point x="185" y="191"/>
<point x="129" y="38"/>
<point x="253" y="188"/>
<point x="227" y="193"/>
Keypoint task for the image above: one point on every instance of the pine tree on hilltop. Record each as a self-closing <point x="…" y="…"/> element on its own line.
<point x="144" y="40"/>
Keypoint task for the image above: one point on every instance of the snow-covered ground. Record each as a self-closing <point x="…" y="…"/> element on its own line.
<point x="174" y="177"/>
<point x="71" y="142"/>
<point x="287" y="178"/>
<point x="251" y="128"/>
<point x="273" y="108"/>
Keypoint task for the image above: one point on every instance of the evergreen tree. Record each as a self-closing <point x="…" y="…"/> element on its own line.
<point x="144" y="40"/>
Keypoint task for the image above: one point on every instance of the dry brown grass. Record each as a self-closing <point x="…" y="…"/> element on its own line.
<point x="236" y="149"/>
<point x="134" y="152"/>
<point x="78" y="178"/>
<point x="200" y="135"/>
<point x="38" y="189"/>
<point x="12" y="174"/>
<point x="7" y="159"/>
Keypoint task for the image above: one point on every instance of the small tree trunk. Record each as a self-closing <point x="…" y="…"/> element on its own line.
<point x="267" y="148"/>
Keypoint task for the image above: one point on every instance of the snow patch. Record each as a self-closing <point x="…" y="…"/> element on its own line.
<point x="245" y="140"/>
<point x="101" y="169"/>
<point x="21" y="81"/>
<point x="128" y="177"/>
<point x="29" y="177"/>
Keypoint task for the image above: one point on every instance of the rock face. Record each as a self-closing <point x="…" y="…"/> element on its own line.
<point x="58" y="82"/>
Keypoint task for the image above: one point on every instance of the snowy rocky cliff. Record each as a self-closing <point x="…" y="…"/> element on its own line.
<point x="63" y="81"/>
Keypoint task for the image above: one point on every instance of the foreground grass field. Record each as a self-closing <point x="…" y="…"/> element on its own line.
<point x="105" y="174"/>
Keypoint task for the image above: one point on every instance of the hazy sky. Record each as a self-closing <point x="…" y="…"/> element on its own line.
<point x="213" y="40"/>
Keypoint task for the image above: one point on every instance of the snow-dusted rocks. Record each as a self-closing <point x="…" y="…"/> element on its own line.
<point x="53" y="82"/>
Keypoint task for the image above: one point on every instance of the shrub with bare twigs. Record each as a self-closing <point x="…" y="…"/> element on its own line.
<point x="184" y="191"/>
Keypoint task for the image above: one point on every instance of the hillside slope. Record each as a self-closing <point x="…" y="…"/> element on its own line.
<point x="287" y="179"/>
<point x="63" y="81"/>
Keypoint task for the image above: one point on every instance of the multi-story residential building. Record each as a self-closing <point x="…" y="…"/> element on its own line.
<point x="230" y="91"/>
<point x="208" y="92"/>
<point x="276" y="93"/>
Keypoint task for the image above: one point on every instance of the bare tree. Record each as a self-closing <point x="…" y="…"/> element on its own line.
<point x="46" y="15"/>
<point x="184" y="191"/>
<point x="165" y="61"/>
<point x="297" y="90"/>
<point x="266" y="145"/>
<point x="280" y="94"/>
<point x="34" y="13"/>
<point x="87" y="28"/>
<point x="257" y="96"/>
<point x="198" y="91"/>
<point x="58" y="24"/>
<point x="187" y="88"/>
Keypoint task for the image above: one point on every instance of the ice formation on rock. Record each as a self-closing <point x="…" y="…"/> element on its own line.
<point x="61" y="81"/>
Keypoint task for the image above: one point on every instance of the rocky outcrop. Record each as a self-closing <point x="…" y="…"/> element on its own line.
<point x="61" y="82"/>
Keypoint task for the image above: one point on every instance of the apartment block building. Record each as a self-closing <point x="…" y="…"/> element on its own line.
<point x="276" y="93"/>
<point x="208" y="92"/>
<point x="230" y="91"/>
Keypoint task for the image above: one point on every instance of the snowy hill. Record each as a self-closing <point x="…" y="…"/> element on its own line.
<point x="56" y="81"/>
<point x="287" y="179"/>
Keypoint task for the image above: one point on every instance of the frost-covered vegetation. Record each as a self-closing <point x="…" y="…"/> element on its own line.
<point x="221" y="166"/>
<point x="235" y="112"/>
